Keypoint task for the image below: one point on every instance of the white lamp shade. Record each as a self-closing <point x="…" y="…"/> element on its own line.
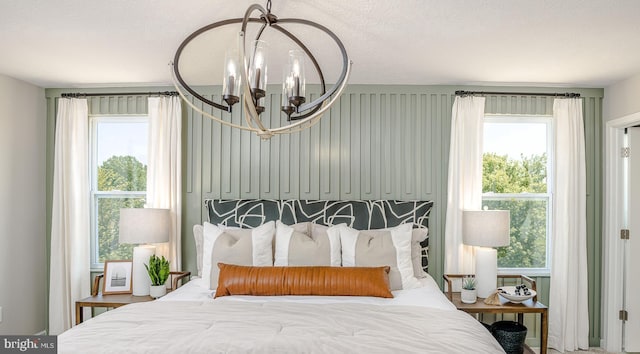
<point x="486" y="228"/>
<point x="144" y="225"/>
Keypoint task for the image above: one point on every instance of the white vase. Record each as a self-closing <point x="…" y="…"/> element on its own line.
<point x="157" y="291"/>
<point x="468" y="296"/>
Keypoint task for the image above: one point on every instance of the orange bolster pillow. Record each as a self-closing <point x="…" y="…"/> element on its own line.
<point x="324" y="281"/>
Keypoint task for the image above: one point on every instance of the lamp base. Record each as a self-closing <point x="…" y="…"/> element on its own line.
<point x="486" y="271"/>
<point x="140" y="279"/>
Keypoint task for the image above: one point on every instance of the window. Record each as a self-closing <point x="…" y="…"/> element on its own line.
<point x="118" y="180"/>
<point x="516" y="162"/>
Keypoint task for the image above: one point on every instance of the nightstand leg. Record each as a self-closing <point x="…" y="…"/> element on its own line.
<point x="543" y="336"/>
<point x="521" y="318"/>
<point x="78" y="314"/>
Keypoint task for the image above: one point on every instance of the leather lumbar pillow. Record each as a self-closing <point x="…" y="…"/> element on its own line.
<point x="324" y="281"/>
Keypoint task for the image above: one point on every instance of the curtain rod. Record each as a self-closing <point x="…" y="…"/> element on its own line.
<point x="566" y="94"/>
<point x="79" y="94"/>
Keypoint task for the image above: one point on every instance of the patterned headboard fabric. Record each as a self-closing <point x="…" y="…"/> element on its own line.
<point x="358" y="214"/>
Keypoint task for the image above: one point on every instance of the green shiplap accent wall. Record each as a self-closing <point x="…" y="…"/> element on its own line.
<point x="377" y="142"/>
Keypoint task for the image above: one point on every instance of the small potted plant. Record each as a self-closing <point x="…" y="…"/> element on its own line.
<point x="158" y="270"/>
<point x="468" y="294"/>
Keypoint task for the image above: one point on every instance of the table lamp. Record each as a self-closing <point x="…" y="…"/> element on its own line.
<point x="486" y="229"/>
<point x="143" y="226"/>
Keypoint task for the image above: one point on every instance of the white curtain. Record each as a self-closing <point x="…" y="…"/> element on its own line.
<point x="568" y="306"/>
<point x="464" y="189"/>
<point x="164" y="173"/>
<point x="69" y="267"/>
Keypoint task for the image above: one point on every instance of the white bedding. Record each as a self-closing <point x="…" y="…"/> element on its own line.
<point x="188" y="320"/>
<point x="429" y="295"/>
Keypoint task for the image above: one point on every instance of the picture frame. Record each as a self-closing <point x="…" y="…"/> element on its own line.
<point x="117" y="277"/>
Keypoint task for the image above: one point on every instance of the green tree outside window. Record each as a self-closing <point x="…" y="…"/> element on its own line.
<point x="118" y="173"/>
<point x="501" y="174"/>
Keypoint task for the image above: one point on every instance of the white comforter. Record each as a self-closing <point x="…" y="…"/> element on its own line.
<point x="253" y="325"/>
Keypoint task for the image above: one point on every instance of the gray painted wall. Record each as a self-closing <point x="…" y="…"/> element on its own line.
<point x="23" y="263"/>
<point x="379" y="142"/>
<point x="622" y="98"/>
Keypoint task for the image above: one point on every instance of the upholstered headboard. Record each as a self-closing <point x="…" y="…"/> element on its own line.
<point x="359" y="214"/>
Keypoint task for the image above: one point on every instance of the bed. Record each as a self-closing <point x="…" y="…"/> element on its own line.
<point x="418" y="319"/>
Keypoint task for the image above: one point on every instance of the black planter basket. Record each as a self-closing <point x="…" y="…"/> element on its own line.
<point x="510" y="335"/>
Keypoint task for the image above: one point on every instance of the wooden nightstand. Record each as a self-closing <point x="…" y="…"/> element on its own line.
<point x="529" y="306"/>
<point x="99" y="300"/>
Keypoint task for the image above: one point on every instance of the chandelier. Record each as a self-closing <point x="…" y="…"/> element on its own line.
<point x="245" y="77"/>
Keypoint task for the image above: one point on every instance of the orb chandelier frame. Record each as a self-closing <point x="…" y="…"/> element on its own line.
<point x="300" y="114"/>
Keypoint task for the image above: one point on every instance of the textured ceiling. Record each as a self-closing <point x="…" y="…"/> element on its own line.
<point x="87" y="43"/>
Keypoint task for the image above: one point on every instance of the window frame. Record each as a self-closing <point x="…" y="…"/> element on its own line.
<point x="95" y="194"/>
<point x="548" y="121"/>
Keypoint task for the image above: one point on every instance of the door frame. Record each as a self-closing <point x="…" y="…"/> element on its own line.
<point x="612" y="246"/>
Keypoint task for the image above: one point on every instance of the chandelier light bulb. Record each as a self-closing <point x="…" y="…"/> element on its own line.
<point x="297" y="78"/>
<point x="287" y="92"/>
<point x="231" y="79"/>
<point x="258" y="74"/>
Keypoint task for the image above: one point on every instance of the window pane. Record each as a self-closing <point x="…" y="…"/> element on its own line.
<point x="527" y="247"/>
<point x="108" y="211"/>
<point x="515" y="158"/>
<point x="121" y="156"/>
<point x="515" y="139"/>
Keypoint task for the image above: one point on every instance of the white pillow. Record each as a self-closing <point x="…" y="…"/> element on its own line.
<point x="198" y="237"/>
<point x="306" y="244"/>
<point x="370" y="248"/>
<point x="418" y="235"/>
<point x="261" y="245"/>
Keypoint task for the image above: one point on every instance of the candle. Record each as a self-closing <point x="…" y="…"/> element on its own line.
<point x="231" y="85"/>
<point x="256" y="79"/>
<point x="296" y="86"/>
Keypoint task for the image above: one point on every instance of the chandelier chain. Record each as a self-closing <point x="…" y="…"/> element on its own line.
<point x="268" y="6"/>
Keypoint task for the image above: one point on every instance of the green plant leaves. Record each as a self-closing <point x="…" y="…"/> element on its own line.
<point x="158" y="270"/>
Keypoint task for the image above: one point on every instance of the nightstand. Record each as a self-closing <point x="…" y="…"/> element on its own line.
<point x="117" y="300"/>
<point x="529" y="306"/>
